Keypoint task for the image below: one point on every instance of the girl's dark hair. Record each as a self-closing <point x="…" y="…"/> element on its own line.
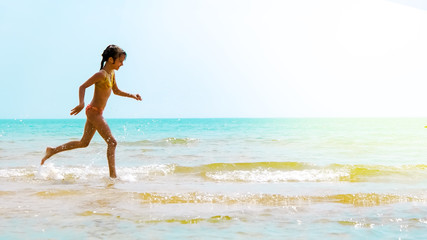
<point x="111" y="51"/>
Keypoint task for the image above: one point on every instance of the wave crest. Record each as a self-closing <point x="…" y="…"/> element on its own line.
<point x="230" y="172"/>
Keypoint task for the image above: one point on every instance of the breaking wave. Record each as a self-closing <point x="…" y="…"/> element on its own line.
<point x="230" y="172"/>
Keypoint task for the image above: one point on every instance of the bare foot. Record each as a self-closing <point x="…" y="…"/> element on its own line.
<point x="49" y="153"/>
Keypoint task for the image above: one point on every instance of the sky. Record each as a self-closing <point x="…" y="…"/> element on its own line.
<point x="218" y="58"/>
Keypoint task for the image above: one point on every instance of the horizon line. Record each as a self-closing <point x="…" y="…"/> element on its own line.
<point x="355" y="117"/>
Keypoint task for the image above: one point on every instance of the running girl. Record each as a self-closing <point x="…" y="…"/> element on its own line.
<point x="105" y="82"/>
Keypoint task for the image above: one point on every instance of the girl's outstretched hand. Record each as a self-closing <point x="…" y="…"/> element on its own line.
<point x="137" y="97"/>
<point x="77" y="109"/>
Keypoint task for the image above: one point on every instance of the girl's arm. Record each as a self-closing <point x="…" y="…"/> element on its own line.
<point x="82" y="89"/>
<point x="119" y="92"/>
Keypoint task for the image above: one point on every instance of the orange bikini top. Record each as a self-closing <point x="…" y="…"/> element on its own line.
<point x="108" y="82"/>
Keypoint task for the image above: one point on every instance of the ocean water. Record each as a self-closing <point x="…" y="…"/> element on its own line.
<point x="217" y="179"/>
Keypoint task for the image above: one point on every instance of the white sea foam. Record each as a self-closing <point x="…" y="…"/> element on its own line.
<point x="16" y="172"/>
<point x="312" y="175"/>
<point x="50" y="171"/>
<point x="128" y="178"/>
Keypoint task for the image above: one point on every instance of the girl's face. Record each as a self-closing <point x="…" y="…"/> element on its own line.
<point x="119" y="62"/>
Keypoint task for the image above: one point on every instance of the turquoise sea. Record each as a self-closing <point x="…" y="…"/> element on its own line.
<point x="217" y="179"/>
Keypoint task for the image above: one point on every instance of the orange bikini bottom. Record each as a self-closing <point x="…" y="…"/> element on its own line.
<point x="90" y="107"/>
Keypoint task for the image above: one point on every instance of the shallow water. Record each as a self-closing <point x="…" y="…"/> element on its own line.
<point x="217" y="178"/>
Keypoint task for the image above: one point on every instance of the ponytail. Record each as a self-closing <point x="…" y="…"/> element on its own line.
<point x="102" y="63"/>
<point x="111" y="51"/>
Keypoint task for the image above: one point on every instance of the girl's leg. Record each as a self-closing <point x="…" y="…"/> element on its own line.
<point x="104" y="130"/>
<point x="88" y="133"/>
